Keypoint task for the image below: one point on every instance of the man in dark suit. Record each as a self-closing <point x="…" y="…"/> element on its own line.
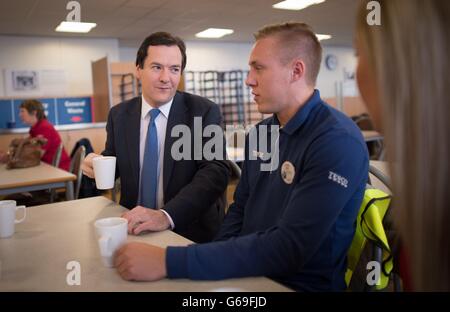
<point x="184" y="195"/>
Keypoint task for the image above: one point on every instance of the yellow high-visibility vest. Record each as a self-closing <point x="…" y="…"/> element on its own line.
<point x="370" y="227"/>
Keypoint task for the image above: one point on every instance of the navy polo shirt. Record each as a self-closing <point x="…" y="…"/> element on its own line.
<point x="295" y="222"/>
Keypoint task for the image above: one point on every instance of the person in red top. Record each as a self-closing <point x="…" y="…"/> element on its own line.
<point x="32" y="113"/>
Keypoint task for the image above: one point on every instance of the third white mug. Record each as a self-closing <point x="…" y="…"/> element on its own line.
<point x="112" y="234"/>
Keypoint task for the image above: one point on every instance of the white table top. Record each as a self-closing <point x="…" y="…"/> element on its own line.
<point x="35" y="258"/>
<point x="23" y="177"/>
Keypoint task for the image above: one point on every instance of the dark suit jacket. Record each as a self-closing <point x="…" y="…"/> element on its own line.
<point x="193" y="189"/>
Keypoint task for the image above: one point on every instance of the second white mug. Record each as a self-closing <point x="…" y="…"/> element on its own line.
<point x="8" y="209"/>
<point x="104" y="171"/>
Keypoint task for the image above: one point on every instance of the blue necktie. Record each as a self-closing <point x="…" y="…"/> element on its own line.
<point x="149" y="179"/>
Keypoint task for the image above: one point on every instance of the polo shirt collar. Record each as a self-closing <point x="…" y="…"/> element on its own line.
<point x="302" y="115"/>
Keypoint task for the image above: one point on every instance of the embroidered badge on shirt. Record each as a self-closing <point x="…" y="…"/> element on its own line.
<point x="338" y="179"/>
<point x="287" y="172"/>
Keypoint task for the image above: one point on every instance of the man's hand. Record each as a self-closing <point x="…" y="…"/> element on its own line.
<point x="86" y="165"/>
<point x="143" y="219"/>
<point x="141" y="262"/>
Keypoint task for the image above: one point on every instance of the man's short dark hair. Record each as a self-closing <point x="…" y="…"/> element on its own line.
<point x="158" y="39"/>
<point x="34" y="106"/>
<point x="297" y="40"/>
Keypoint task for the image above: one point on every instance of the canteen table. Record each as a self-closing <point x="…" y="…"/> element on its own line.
<point x="57" y="244"/>
<point x="36" y="178"/>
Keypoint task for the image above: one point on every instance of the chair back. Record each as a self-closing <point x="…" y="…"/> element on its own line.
<point x="235" y="170"/>
<point x="370" y="242"/>
<point x="75" y="168"/>
<point x="57" y="157"/>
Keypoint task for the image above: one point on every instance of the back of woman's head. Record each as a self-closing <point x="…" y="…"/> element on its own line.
<point x="34" y="106"/>
<point x="408" y="54"/>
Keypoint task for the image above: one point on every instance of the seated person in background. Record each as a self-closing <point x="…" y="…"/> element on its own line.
<point x="293" y="222"/>
<point x="32" y="113"/>
<point x="402" y="74"/>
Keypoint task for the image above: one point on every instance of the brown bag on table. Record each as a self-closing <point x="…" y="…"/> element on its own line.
<point x="24" y="153"/>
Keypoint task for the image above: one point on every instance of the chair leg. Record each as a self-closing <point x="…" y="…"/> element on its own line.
<point x="113" y="194"/>
<point x="52" y="195"/>
<point x="397" y="282"/>
<point x="377" y="255"/>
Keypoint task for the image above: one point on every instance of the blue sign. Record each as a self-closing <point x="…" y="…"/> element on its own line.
<point x="59" y="111"/>
<point x="74" y="110"/>
<point x="49" y="108"/>
<point x="6" y="114"/>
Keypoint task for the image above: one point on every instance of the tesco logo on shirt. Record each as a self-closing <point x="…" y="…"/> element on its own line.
<point x="338" y="179"/>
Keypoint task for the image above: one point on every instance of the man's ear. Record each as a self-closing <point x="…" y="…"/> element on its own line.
<point x="137" y="72"/>
<point x="298" y="69"/>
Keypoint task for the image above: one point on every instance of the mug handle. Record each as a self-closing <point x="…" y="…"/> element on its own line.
<point x="24" y="213"/>
<point x="104" y="243"/>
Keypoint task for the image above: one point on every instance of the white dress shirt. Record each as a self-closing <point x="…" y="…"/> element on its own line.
<point x="161" y="125"/>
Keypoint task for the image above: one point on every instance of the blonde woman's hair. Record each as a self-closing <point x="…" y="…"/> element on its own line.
<point x="408" y="54"/>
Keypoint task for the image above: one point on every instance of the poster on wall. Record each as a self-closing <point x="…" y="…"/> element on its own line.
<point x="74" y="110"/>
<point x="25" y="80"/>
<point x="34" y="83"/>
<point x="349" y="86"/>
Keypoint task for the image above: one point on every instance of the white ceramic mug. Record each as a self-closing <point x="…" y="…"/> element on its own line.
<point x="8" y="209"/>
<point x="112" y="233"/>
<point x="104" y="171"/>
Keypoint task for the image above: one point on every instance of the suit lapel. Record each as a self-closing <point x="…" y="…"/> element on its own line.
<point x="176" y="116"/>
<point x="133" y="129"/>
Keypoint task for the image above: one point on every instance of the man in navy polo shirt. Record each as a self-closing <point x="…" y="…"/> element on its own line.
<point x="294" y="221"/>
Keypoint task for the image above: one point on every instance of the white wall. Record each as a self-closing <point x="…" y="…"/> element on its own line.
<point x="204" y="56"/>
<point x="327" y="78"/>
<point x="217" y="56"/>
<point x="73" y="55"/>
<point x="127" y="54"/>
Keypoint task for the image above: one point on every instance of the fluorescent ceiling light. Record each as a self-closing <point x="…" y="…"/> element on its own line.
<point x="323" y="37"/>
<point x="76" y="27"/>
<point x="214" y="33"/>
<point x="295" y="4"/>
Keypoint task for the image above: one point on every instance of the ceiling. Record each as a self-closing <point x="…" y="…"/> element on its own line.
<point x="132" y="20"/>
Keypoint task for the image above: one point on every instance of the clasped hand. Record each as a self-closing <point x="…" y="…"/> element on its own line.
<point x="143" y="219"/>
